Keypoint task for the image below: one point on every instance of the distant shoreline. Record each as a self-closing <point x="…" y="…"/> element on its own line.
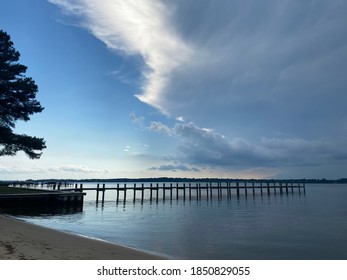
<point x="181" y="179"/>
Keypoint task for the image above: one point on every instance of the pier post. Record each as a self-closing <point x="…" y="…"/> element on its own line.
<point x="238" y="189"/>
<point x="228" y="190"/>
<point x="286" y="187"/>
<point x="142" y="192"/>
<point x="253" y="188"/>
<point x="184" y="191"/>
<point x="151" y="194"/>
<point x="117" y="193"/>
<point x="171" y="191"/>
<point x="97" y="193"/>
<point x="103" y="193"/>
<point x="268" y="188"/>
<point x="261" y="188"/>
<point x="190" y="191"/>
<point x="157" y="198"/>
<point x="275" y="190"/>
<point x="246" y="188"/>
<point x="134" y="195"/>
<point x="164" y="191"/>
<point x="125" y="192"/>
<point x="176" y="190"/>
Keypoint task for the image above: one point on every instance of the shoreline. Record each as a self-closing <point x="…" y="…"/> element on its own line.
<point x="21" y="240"/>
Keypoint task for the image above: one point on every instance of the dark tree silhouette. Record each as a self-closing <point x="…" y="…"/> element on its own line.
<point x="17" y="102"/>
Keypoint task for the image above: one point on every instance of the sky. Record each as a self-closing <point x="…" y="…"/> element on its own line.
<point x="183" y="88"/>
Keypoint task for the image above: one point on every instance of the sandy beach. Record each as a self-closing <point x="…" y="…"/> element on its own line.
<point x="20" y="240"/>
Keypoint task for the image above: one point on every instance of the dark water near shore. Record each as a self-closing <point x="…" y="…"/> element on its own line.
<point x="293" y="226"/>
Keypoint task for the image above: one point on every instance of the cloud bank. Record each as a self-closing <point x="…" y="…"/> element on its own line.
<point x="204" y="147"/>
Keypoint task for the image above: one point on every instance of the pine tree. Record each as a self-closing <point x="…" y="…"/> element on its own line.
<point x="17" y="102"/>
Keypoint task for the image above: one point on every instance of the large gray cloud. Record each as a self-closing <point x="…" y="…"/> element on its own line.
<point x="265" y="65"/>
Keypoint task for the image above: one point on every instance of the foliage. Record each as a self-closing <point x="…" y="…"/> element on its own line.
<point x="17" y="102"/>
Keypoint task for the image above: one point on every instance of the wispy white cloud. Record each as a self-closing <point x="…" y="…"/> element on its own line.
<point x="141" y="28"/>
<point x="5" y="169"/>
<point x="77" y="169"/>
<point x="159" y="127"/>
<point x="64" y="169"/>
<point x="137" y="120"/>
<point x="137" y="149"/>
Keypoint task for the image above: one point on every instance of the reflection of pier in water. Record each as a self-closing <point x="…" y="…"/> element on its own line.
<point x="198" y="191"/>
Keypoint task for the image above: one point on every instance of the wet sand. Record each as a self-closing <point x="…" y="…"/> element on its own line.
<point x="20" y="240"/>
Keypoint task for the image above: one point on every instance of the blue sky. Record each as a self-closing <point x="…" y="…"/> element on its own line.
<point x="246" y="89"/>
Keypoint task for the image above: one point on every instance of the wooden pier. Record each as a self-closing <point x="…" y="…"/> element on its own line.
<point x="155" y="191"/>
<point x="207" y="190"/>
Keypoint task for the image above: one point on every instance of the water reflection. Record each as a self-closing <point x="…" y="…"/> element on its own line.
<point x="39" y="210"/>
<point x="261" y="226"/>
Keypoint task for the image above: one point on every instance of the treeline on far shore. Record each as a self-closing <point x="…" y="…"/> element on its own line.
<point x="171" y="179"/>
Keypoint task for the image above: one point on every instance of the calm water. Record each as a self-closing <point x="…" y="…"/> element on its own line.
<point x="293" y="226"/>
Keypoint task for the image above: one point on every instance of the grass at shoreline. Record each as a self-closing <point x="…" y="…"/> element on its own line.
<point x="11" y="190"/>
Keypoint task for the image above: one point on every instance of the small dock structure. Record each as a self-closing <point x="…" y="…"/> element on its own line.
<point x="29" y="197"/>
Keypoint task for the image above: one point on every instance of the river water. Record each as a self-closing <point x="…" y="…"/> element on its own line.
<point x="289" y="226"/>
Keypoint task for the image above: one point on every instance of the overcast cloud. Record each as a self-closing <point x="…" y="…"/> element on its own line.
<point x="265" y="64"/>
